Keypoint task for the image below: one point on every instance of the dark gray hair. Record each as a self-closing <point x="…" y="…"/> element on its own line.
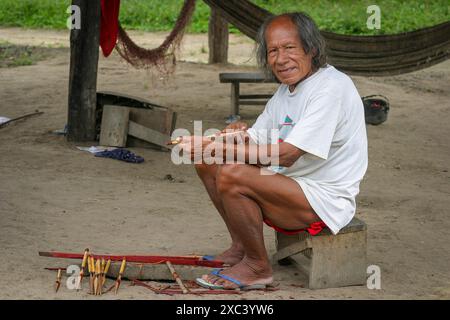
<point x="309" y="35"/>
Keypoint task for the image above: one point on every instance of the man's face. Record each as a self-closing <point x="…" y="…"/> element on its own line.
<point x="285" y="53"/>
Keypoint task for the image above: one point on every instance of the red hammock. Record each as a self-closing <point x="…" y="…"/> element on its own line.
<point x="109" y="25"/>
<point x="112" y="35"/>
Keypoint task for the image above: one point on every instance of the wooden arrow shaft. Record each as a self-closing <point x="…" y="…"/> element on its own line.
<point x="176" y="277"/>
<point x="179" y="291"/>
<point x="21" y="117"/>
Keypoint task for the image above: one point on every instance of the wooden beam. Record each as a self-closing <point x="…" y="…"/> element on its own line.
<point x="84" y="53"/>
<point x="114" y="129"/>
<point x="217" y="37"/>
<point x="147" y="134"/>
<point x="292" y="249"/>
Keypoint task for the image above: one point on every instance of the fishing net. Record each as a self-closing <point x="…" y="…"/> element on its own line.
<point x="163" y="57"/>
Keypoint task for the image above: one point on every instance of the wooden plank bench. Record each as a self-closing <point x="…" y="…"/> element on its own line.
<point x="329" y="260"/>
<point x="238" y="99"/>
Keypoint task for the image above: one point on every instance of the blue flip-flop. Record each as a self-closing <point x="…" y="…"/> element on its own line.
<point x="208" y="285"/>
<point x="241" y="286"/>
<point x="208" y="258"/>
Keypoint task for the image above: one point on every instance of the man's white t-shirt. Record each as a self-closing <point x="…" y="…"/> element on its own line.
<point x="324" y="117"/>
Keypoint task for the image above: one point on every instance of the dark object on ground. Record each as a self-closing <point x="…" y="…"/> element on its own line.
<point x="168" y="177"/>
<point x="60" y="132"/>
<point x="376" y="109"/>
<point x="120" y="154"/>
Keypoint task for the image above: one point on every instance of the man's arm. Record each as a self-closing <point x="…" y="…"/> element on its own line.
<point x="282" y="154"/>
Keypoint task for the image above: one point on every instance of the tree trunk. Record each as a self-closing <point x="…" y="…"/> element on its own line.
<point x="217" y="38"/>
<point x="84" y="53"/>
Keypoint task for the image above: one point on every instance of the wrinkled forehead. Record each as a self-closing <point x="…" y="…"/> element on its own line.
<point x="280" y="31"/>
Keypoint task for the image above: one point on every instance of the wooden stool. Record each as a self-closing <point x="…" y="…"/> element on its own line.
<point x="237" y="98"/>
<point x="329" y="260"/>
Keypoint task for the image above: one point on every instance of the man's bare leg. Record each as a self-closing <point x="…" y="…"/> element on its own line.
<point x="247" y="198"/>
<point x="208" y="174"/>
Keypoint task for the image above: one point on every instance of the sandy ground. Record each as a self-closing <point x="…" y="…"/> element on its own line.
<point x="55" y="197"/>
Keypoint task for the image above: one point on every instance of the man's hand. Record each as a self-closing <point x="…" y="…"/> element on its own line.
<point x="238" y="126"/>
<point x="238" y="138"/>
<point x="194" y="147"/>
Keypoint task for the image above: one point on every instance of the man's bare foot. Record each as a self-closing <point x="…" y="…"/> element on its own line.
<point x="231" y="256"/>
<point x="247" y="272"/>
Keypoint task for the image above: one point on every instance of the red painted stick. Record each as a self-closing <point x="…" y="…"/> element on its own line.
<point x="192" y="261"/>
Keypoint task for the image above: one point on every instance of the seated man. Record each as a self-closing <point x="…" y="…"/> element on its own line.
<point x="322" y="154"/>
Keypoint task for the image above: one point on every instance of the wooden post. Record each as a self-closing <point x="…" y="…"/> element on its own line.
<point x="217" y="38"/>
<point x="234" y="99"/>
<point x="84" y="52"/>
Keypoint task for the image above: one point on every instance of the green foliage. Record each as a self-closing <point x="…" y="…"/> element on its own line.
<point x="49" y="14"/>
<point x="16" y="56"/>
<point x="345" y="16"/>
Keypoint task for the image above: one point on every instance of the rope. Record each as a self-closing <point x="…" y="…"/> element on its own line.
<point x="163" y="57"/>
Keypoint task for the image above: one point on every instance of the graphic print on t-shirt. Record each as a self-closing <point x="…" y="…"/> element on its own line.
<point x="284" y="128"/>
<point x="283" y="131"/>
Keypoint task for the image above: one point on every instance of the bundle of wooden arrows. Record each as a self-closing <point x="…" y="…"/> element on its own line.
<point x="98" y="266"/>
<point x="97" y="275"/>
